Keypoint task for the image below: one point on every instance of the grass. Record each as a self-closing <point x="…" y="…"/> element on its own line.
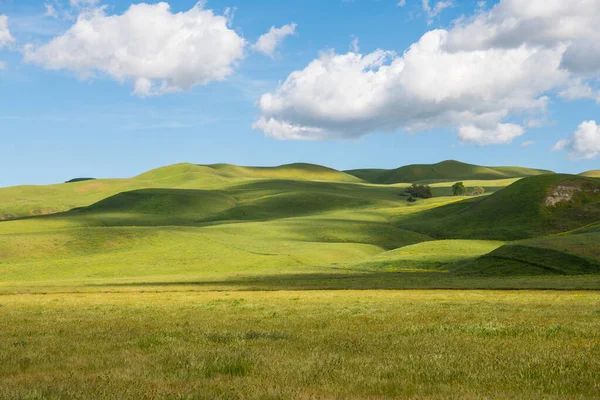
<point x="516" y="212"/>
<point x="592" y="174"/>
<point x="444" y="171"/>
<point x="219" y="281"/>
<point x="376" y="345"/>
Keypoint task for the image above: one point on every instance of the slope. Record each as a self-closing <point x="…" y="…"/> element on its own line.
<point x="444" y="171"/>
<point x="530" y="207"/>
<point x="595" y="173"/>
<point x="24" y="201"/>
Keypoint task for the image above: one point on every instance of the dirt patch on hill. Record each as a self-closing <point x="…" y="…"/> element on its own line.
<point x="568" y="191"/>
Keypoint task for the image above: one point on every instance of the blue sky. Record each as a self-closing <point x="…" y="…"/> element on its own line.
<point x="60" y="119"/>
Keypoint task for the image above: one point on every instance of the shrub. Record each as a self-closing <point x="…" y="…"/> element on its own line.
<point x="420" y="191"/>
<point x="476" y="191"/>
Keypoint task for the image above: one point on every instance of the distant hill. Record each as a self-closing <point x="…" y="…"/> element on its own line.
<point x="442" y="172"/>
<point x="530" y="207"/>
<point x="23" y="201"/>
<point x="75" y="180"/>
<point x="595" y="173"/>
<point x="297" y="171"/>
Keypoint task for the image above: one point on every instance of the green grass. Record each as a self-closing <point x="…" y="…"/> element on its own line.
<point x="444" y="171"/>
<point x="21" y="201"/>
<point x="516" y="212"/>
<point x="282" y="345"/>
<point x="219" y="281"/>
<point x="591" y="174"/>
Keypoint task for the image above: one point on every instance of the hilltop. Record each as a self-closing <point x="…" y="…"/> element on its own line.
<point x="444" y="171"/>
<point x="23" y="201"/>
<point x="533" y="206"/>
<point x="595" y="173"/>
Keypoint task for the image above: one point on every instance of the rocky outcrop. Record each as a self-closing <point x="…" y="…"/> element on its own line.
<point x="565" y="192"/>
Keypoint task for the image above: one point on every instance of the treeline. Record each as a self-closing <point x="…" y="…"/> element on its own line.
<point x="458" y="189"/>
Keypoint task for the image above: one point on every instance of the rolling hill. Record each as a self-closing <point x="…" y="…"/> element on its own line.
<point x="24" y="201"/>
<point x="189" y="222"/>
<point x="444" y="171"/>
<point x="530" y="207"/>
<point x="595" y="173"/>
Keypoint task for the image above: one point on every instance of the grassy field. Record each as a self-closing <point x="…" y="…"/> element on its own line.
<point x="282" y="345"/>
<point x="300" y="281"/>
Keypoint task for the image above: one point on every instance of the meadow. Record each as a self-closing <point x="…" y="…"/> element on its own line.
<point x="299" y="281"/>
<point x="297" y="344"/>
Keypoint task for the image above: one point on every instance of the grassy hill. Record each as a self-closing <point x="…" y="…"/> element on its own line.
<point x="519" y="211"/>
<point x="591" y="174"/>
<point x="566" y="254"/>
<point x="247" y="282"/>
<point x="211" y="223"/>
<point x="22" y="201"/>
<point x="444" y="171"/>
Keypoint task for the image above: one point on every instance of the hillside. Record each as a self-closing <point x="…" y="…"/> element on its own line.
<point x="595" y="173"/>
<point x="442" y="172"/>
<point x="529" y="207"/>
<point x="24" y="201"/>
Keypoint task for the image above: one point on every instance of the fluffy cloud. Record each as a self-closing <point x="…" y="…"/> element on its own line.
<point x="502" y="133"/>
<point x="5" y="36"/>
<point x="584" y="143"/>
<point x="500" y="64"/>
<point x="270" y="41"/>
<point x="157" y="50"/>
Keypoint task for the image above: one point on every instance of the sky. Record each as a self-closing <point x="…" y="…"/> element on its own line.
<point x="108" y="88"/>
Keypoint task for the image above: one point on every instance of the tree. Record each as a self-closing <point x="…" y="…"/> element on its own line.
<point x="459" y="189"/>
<point x="477" y="191"/>
<point x="420" y="191"/>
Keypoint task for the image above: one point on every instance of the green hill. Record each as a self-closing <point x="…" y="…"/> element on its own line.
<point x="529" y="207"/>
<point x="442" y="172"/>
<point x="595" y="173"/>
<point x="23" y="201"/>
<point x="520" y="260"/>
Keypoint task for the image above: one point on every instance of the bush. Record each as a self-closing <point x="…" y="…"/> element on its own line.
<point x="476" y="191"/>
<point x="420" y="191"/>
<point x="459" y="189"/>
<point x="411" y="199"/>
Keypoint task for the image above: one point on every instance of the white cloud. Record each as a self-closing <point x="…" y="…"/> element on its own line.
<point x="501" y="134"/>
<point x="270" y="41"/>
<point x="436" y="10"/>
<point x="577" y="89"/>
<point x="500" y="64"/>
<point x="5" y="37"/>
<point x="50" y="11"/>
<point x="584" y="143"/>
<point x="527" y="143"/>
<point x="354" y="47"/>
<point x="159" y="51"/>
<point x="401" y="3"/>
<point x="83" y="3"/>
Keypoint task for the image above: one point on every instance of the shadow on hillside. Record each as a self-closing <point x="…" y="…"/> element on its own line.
<point x="376" y="281"/>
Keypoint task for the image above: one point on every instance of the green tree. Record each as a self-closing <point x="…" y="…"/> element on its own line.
<point x="420" y="191"/>
<point x="459" y="189"/>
